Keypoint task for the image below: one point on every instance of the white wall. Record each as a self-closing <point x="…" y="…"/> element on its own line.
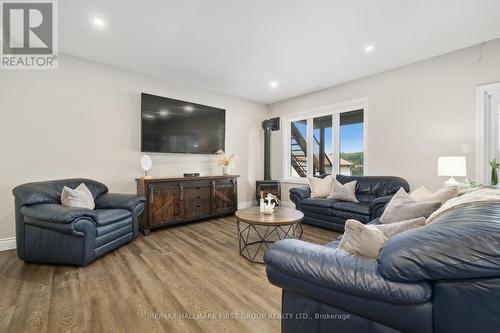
<point x="415" y="113"/>
<point x="83" y="120"/>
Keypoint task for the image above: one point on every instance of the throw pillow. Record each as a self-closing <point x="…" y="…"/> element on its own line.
<point x="80" y="197"/>
<point x="403" y="207"/>
<point x="443" y="195"/>
<point x="367" y="240"/>
<point x="346" y="192"/>
<point x="360" y="239"/>
<point x="320" y="187"/>
<point x="391" y="229"/>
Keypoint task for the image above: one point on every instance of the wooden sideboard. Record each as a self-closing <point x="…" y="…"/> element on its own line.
<point x="172" y="201"/>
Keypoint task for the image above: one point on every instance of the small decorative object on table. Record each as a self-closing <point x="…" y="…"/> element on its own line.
<point x="494" y="173"/>
<point x="146" y="164"/>
<point x="226" y="160"/>
<point x="269" y="206"/>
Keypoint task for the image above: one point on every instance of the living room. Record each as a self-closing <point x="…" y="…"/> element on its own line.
<point x="250" y="166"/>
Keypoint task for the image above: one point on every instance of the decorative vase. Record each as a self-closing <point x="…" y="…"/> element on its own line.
<point x="494" y="177"/>
<point x="226" y="170"/>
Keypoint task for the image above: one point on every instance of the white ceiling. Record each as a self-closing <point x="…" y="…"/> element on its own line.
<point x="237" y="47"/>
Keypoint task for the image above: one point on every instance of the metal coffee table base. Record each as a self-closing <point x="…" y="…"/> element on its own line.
<point x="254" y="239"/>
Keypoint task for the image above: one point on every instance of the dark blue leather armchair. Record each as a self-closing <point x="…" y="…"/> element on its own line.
<point x="47" y="232"/>
<point x="372" y="192"/>
<point x="444" y="277"/>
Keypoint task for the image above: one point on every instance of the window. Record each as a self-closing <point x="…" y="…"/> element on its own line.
<point x="330" y="140"/>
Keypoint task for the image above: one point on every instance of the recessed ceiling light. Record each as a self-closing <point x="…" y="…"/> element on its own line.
<point x="164" y="113"/>
<point x="273" y="84"/>
<point x="98" y="22"/>
<point x="189" y="108"/>
<point x="369" y="48"/>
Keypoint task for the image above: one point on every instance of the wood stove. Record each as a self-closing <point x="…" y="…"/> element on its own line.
<point x="267" y="185"/>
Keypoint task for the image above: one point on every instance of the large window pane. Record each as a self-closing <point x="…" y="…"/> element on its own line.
<point x="322" y="145"/>
<point x="351" y="143"/>
<point x="298" y="148"/>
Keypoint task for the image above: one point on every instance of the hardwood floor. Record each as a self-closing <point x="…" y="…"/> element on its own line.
<point x="180" y="279"/>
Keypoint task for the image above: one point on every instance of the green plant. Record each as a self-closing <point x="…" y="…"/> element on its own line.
<point x="494" y="174"/>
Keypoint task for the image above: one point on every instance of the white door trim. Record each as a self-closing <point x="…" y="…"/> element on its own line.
<point x="483" y="95"/>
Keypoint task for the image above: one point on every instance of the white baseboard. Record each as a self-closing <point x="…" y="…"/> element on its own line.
<point x="7" y="243"/>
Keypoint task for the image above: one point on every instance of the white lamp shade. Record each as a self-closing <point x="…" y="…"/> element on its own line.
<point x="452" y="166"/>
<point x="146" y="162"/>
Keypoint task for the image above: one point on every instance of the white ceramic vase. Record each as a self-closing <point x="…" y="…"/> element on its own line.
<point x="226" y="170"/>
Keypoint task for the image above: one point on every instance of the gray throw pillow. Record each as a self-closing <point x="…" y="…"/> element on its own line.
<point x="80" y="197"/>
<point x="403" y="207"/>
<point x="362" y="240"/>
<point x="346" y="192"/>
<point x="367" y="240"/>
<point x="391" y="229"/>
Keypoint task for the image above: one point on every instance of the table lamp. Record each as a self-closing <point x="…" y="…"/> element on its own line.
<point x="146" y="164"/>
<point x="452" y="166"/>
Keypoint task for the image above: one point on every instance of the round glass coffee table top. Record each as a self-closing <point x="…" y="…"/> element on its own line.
<point x="257" y="231"/>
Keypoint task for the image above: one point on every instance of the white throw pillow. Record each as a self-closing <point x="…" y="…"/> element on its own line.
<point x="320" y="188"/>
<point x="443" y="195"/>
<point x="80" y="197"/>
<point x="346" y="192"/>
<point x="367" y="240"/>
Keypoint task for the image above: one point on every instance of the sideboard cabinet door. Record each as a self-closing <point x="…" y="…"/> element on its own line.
<point x="224" y="196"/>
<point x="166" y="205"/>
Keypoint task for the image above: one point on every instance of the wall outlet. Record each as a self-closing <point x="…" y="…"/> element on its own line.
<point x="465" y="148"/>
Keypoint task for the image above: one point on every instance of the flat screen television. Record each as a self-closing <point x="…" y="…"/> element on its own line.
<point x="174" y="126"/>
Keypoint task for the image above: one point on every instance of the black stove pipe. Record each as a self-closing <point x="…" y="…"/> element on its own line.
<point x="267" y="127"/>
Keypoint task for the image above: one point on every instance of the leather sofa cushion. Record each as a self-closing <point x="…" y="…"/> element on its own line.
<point x="56" y="213"/>
<point x="461" y="244"/>
<point x="112" y="226"/>
<point x="358" y="208"/>
<point x="113" y="235"/>
<point x="317" y="205"/>
<point x="376" y="186"/>
<point x="50" y="191"/>
<point x="345" y="215"/>
<point x="107" y="216"/>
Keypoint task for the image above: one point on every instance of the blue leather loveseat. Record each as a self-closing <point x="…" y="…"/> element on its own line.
<point x="372" y="192"/>
<point x="441" y="278"/>
<point x="47" y="232"/>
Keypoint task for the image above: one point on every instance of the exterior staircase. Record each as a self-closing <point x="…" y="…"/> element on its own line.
<point x="299" y="154"/>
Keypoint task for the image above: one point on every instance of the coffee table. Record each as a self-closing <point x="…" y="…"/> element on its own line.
<point x="256" y="230"/>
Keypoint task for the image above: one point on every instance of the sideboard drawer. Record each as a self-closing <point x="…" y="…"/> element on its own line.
<point x="197" y="193"/>
<point x="197" y="207"/>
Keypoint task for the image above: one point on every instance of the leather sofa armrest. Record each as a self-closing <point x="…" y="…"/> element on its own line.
<point x="377" y="206"/>
<point x="336" y="269"/>
<point x="297" y="194"/>
<point x="120" y="201"/>
<point x="56" y="213"/>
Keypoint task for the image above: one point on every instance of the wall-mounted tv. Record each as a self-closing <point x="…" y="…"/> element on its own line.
<point x="174" y="126"/>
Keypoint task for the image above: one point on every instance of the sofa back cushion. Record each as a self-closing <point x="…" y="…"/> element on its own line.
<point x="50" y="191"/>
<point x="369" y="188"/>
<point x="461" y="244"/>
